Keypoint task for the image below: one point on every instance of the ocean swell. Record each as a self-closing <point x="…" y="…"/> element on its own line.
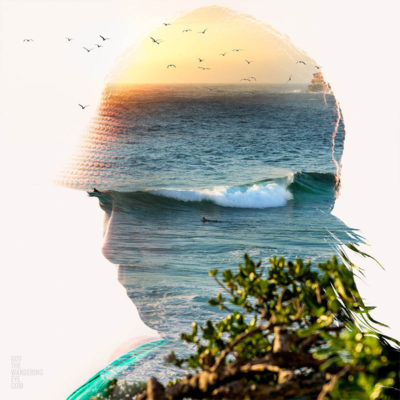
<point x="276" y="192"/>
<point x="254" y="196"/>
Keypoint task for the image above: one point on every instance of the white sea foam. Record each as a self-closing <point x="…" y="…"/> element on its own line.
<point x="256" y="196"/>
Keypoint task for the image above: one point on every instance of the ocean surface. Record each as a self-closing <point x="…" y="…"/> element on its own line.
<point x="256" y="158"/>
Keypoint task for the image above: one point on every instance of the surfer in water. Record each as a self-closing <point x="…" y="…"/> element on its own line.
<point x="94" y="192"/>
<point x="204" y="219"/>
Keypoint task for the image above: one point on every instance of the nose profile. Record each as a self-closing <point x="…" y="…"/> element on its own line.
<point x="119" y="236"/>
<point x="109" y="237"/>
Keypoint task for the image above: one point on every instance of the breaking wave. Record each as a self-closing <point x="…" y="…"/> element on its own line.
<point x="277" y="192"/>
<point x="255" y="196"/>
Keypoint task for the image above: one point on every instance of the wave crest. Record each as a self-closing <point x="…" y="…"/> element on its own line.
<point x="271" y="192"/>
<point x="255" y="196"/>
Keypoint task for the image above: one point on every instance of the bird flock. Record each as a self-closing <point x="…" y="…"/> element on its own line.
<point x="87" y="50"/>
<point x="103" y="39"/>
<point x="70" y="39"/>
<point x="249" y="79"/>
<point x="158" y="41"/>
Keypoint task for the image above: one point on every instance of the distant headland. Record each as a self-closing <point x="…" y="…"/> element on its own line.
<point x="318" y="84"/>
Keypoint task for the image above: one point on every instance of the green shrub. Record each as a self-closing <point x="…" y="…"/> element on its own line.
<point x="290" y="331"/>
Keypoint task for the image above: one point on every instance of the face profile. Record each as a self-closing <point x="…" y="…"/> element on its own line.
<point x="207" y="145"/>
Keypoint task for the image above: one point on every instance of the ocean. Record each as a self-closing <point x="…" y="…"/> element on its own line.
<point x="256" y="159"/>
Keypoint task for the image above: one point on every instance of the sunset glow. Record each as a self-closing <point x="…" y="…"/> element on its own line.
<point x="231" y="47"/>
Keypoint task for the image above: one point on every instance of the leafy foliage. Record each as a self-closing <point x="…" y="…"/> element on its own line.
<point x="290" y="331"/>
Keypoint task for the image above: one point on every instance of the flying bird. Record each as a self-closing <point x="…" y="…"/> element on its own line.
<point x="166" y="23"/>
<point x="290" y="78"/>
<point x="316" y="66"/>
<point x="204" y="31"/>
<point x="88" y="50"/>
<point x="28" y="40"/>
<point x="223" y="54"/>
<point x="246" y="79"/>
<point x="201" y="59"/>
<point x="237" y="50"/>
<point x="171" y="66"/>
<point x="204" y="68"/>
<point x="68" y="38"/>
<point x="98" y="45"/>
<point x="248" y="62"/>
<point x="301" y="62"/>
<point x="157" y="41"/>
<point x="187" y="30"/>
<point x="104" y="38"/>
<point x="83" y="107"/>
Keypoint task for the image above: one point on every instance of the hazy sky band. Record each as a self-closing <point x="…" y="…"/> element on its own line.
<point x="214" y="45"/>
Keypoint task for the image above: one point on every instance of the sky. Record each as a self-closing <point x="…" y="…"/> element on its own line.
<point x="127" y="22"/>
<point x="47" y="78"/>
<point x="214" y="45"/>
